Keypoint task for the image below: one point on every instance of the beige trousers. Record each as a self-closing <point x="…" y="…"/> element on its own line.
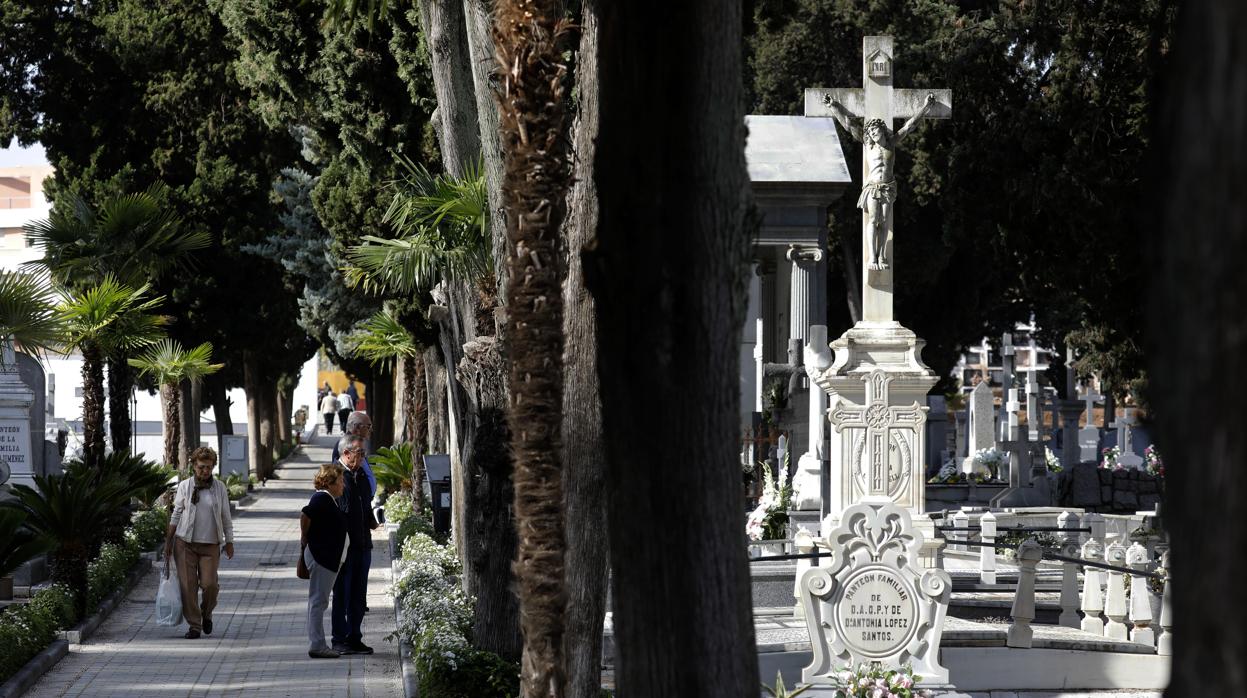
<point x="197" y="569"/>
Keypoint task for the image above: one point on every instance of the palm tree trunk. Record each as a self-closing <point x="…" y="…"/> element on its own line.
<point x="668" y="275"/>
<point x="529" y="38"/>
<point x="188" y="420"/>
<point x="120" y="385"/>
<point x="583" y="459"/>
<point x="415" y="391"/>
<point x="381" y="406"/>
<point x="170" y="399"/>
<point x="92" y="405"/>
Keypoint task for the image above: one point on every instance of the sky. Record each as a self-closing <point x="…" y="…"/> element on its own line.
<point x="15" y="156"/>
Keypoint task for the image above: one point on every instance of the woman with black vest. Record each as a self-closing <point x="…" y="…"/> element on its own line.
<point x="325" y="544"/>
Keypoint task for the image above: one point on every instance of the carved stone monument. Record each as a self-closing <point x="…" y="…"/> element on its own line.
<point x="877" y="381"/>
<point x="16" y="401"/>
<point x="874" y="602"/>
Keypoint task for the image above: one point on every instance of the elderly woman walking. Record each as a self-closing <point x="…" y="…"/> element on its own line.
<point x="200" y="525"/>
<point x="324" y="544"/>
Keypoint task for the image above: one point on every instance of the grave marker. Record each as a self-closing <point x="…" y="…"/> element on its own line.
<point x="874" y="602"/>
<point x="1089" y="435"/>
<point x="1125" y="440"/>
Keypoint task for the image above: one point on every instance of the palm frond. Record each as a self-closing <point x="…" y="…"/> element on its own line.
<point x="382" y="339"/>
<point x="28" y="312"/>
<point x="168" y="362"/>
<point x="111" y="315"/>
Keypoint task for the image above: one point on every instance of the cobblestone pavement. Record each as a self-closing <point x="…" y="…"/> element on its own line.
<point x="259" y="644"/>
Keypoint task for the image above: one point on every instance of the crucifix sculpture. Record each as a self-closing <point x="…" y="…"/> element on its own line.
<point x="878" y="104"/>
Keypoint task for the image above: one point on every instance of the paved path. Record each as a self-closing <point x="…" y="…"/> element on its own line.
<point x="259" y="645"/>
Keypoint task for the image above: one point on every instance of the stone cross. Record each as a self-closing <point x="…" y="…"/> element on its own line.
<point x="878" y="418"/>
<point x="878" y="104"/>
<point x="1089" y="435"/>
<point x="1007" y="353"/>
<point x="1125" y="440"/>
<point x="984" y="350"/>
<point x="1034" y="413"/>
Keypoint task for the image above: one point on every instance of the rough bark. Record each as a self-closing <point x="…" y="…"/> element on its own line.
<point x="120" y="385"/>
<point x="218" y="396"/>
<point x="381" y="406"/>
<point x="584" y="466"/>
<point x="435" y="400"/>
<point x="669" y="275"/>
<point x="170" y="400"/>
<point x="417" y="429"/>
<point x="445" y="30"/>
<point x="481" y="52"/>
<point x="1198" y="336"/>
<point x="188" y="421"/>
<point x="93" y="406"/>
<point x="255" y="388"/>
<point x="267" y="411"/>
<point x="285" y="414"/>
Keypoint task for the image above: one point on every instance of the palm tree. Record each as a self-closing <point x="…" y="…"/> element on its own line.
<point x="131" y="237"/>
<point x="101" y="321"/>
<point x="28" y="312"/>
<point x="170" y="364"/>
<point x="382" y="339"/>
<point x="443" y="234"/>
<point x="18" y="543"/>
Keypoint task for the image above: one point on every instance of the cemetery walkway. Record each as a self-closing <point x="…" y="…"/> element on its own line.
<point x="259" y="646"/>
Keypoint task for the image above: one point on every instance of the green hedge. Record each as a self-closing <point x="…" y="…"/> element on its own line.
<point x="436" y="620"/>
<point x="26" y="629"/>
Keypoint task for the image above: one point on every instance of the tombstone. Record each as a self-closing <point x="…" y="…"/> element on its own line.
<point x="874" y="602"/>
<point x="937" y="429"/>
<point x="1125" y="440"/>
<point x="1028" y="470"/>
<point x="18" y="409"/>
<point x="1089" y="435"/>
<point x="981" y="432"/>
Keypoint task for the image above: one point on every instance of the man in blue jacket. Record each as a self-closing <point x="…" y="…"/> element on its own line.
<point x="350" y="592"/>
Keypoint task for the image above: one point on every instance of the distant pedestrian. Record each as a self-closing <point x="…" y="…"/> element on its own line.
<point x="352" y="391"/>
<point x="325" y="548"/>
<point x="350" y="591"/>
<point x="200" y="524"/>
<point x="345" y="406"/>
<point x="328" y="410"/>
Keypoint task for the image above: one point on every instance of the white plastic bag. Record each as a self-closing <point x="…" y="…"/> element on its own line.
<point x="169" y="601"/>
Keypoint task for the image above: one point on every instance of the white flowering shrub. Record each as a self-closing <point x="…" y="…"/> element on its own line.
<point x="435" y="618"/>
<point x="399" y="507"/>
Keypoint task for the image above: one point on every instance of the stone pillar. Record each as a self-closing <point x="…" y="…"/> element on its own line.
<point x="1164" y="643"/>
<point x="1070" y="450"/>
<point x="1140" y="597"/>
<point x="808" y="479"/>
<point x="801" y="294"/>
<point x="1020" y="632"/>
<point x="1092" y="588"/>
<point x="1069" y="571"/>
<point x="987" y="554"/>
<point x="1034" y="414"/>
<point x="1115" y="601"/>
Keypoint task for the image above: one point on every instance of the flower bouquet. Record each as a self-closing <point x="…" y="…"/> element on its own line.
<point x="1151" y="459"/>
<point x="1108" y="458"/>
<point x="769" y="520"/>
<point x="873" y="681"/>
<point x="991" y="459"/>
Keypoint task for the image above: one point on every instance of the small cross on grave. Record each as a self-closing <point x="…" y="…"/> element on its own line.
<point x="1125" y="440"/>
<point x="877" y="104"/>
<point x="871" y="463"/>
<point x="1089" y="435"/>
<point x="1024" y="454"/>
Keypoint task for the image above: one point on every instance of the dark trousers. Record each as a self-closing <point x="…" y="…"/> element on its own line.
<point x="342" y="415"/>
<point x="329" y="422"/>
<point x="350" y="591"/>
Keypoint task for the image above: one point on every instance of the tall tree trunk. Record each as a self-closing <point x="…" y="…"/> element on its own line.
<point x="92" y="406"/>
<point x="218" y="397"/>
<point x="414" y="391"/>
<point x="1198" y="335"/>
<point x="381" y="406"/>
<point x="120" y="385"/>
<point x="445" y="30"/>
<point x="268" y="425"/>
<point x="530" y="38"/>
<point x="583" y="462"/>
<point x="285" y="413"/>
<point x="188" y="420"/>
<point x="481" y="52"/>
<point x="435" y="400"/>
<point x="669" y="277"/>
<point x="254" y="387"/>
<point x="170" y="399"/>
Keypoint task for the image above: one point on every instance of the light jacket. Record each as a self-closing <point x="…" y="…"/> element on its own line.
<point x="184" y="511"/>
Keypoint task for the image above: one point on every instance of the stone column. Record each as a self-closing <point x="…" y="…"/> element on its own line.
<point x="1070" y="450"/>
<point x="808" y="479"/>
<point x="801" y="294"/>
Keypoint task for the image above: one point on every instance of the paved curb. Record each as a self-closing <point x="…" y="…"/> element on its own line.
<point x="31" y="672"/>
<point x="81" y="632"/>
<point x="410" y="687"/>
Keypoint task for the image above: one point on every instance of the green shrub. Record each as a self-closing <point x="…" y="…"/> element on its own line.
<point x="149" y="527"/>
<point x="436" y="620"/>
<point x="108" y="572"/>
<point x="399" y="507"/>
<point x="28" y="628"/>
<point x="415" y="524"/>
